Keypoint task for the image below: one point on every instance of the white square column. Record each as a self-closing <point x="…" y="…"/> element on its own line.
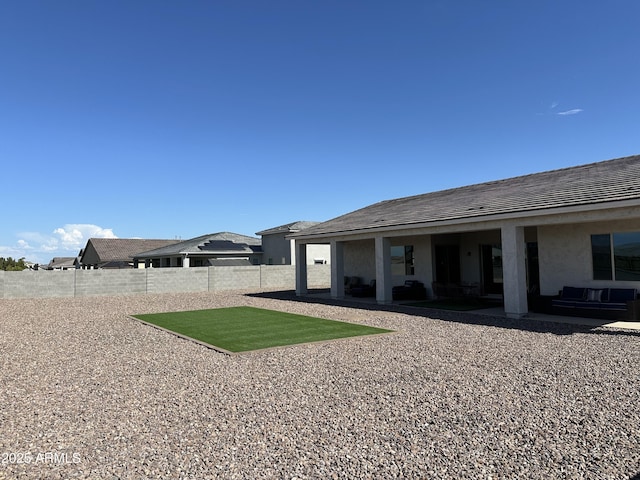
<point x="514" y="271"/>
<point x="301" y="269"/>
<point x="337" y="269"/>
<point x="383" y="271"/>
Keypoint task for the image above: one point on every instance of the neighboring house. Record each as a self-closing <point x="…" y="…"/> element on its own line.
<point x="116" y="252"/>
<point x="62" y="263"/>
<point x="577" y="226"/>
<point x="279" y="250"/>
<point x="223" y="248"/>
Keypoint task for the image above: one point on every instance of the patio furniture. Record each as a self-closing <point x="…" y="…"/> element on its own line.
<point x="607" y="303"/>
<point x="366" y="290"/>
<point x="455" y="290"/>
<point x="411" y="290"/>
<point x="350" y="283"/>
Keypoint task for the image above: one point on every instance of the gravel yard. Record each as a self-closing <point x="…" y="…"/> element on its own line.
<point x="87" y="392"/>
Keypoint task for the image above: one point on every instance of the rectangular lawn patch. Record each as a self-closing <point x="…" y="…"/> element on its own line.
<point x="241" y="329"/>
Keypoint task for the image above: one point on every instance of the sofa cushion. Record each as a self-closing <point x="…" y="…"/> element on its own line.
<point x="573" y="293"/>
<point x="595" y="295"/>
<point x="622" y="295"/>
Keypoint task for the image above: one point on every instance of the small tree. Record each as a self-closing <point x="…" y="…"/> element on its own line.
<point x="11" y="265"/>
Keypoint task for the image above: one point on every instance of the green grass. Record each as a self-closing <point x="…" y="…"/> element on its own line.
<point x="241" y="329"/>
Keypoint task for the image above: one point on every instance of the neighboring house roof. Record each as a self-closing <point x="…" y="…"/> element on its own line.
<point x="117" y="250"/>
<point x="223" y="243"/>
<point x="584" y="185"/>
<point x="288" y="228"/>
<point x="61" y="262"/>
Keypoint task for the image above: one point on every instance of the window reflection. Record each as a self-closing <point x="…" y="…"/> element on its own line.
<point x="402" y="260"/>
<point x="626" y="252"/>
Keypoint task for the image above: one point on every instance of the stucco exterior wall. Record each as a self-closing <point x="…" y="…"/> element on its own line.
<point x="565" y="255"/>
<point x="317" y="251"/>
<point x="360" y="260"/>
<point x="277" y="250"/>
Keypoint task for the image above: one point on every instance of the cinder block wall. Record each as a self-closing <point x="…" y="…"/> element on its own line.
<point x="110" y="282"/>
<point x="167" y="280"/>
<point x="318" y="276"/>
<point x="28" y="284"/>
<point x="82" y="283"/>
<point x="234" y="278"/>
<point x="277" y="276"/>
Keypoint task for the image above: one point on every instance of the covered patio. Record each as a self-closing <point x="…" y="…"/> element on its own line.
<point x="514" y="239"/>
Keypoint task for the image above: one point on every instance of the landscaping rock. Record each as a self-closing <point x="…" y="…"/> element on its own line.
<point x="89" y="393"/>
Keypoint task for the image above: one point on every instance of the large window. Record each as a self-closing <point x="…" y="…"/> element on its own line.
<point x="616" y="256"/>
<point x="402" y="260"/>
<point x="626" y="255"/>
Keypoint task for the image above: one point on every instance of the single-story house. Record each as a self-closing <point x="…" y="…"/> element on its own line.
<point x="224" y="248"/>
<point x="277" y="249"/>
<point x="116" y="252"/>
<point x="62" y="263"/>
<point x="577" y="226"/>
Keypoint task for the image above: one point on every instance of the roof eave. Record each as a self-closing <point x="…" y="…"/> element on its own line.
<point x="471" y="220"/>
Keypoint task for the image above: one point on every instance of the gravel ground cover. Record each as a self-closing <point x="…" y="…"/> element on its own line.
<point x="88" y="393"/>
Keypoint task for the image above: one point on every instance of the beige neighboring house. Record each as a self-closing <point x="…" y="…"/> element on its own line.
<point x="116" y="252"/>
<point x="62" y="263"/>
<point x="214" y="249"/>
<point x="516" y="238"/>
<point x="279" y="250"/>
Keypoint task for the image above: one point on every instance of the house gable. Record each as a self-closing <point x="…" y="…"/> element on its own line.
<point x="117" y="252"/>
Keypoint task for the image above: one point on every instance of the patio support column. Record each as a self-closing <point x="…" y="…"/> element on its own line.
<point x="337" y="269"/>
<point x="301" y="268"/>
<point x="514" y="271"/>
<point x="383" y="270"/>
<point x="185" y="262"/>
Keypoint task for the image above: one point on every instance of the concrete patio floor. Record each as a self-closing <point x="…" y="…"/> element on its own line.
<point x="591" y="322"/>
<point x="499" y="312"/>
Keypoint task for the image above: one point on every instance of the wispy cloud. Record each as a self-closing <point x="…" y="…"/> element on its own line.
<point x="65" y="241"/>
<point x="574" y="111"/>
<point x="553" y="110"/>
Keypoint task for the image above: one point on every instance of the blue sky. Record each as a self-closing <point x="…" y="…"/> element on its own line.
<point x="165" y="119"/>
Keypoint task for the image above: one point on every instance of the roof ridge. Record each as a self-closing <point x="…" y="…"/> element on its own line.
<point x="509" y="179"/>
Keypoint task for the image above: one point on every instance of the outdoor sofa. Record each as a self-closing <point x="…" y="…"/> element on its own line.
<point x="411" y="290"/>
<point x="607" y="303"/>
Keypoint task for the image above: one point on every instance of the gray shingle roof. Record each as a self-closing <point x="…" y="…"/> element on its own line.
<point x="62" y="262"/>
<point x="288" y="228"/>
<point x="124" y="249"/>
<point x="211" y="244"/>
<point x="583" y="185"/>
